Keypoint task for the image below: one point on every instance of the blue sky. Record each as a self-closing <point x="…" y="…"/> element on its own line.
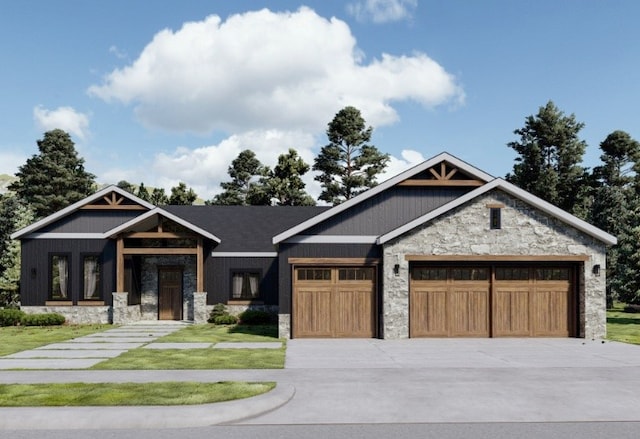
<point x="161" y="92"/>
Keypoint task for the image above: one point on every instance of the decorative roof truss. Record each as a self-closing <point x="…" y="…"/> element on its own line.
<point x="113" y="201"/>
<point x="442" y="174"/>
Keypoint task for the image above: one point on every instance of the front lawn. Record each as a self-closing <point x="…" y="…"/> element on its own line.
<point x="126" y="394"/>
<point x="222" y="333"/>
<point x="21" y="338"/>
<point x="623" y="326"/>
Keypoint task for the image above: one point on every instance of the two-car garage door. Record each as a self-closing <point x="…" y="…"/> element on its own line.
<point x="492" y="301"/>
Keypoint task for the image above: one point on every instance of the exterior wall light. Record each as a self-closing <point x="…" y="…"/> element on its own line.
<point x="396" y="269"/>
<point x="596" y="270"/>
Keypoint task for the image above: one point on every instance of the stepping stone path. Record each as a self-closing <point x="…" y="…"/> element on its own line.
<point x="86" y="351"/>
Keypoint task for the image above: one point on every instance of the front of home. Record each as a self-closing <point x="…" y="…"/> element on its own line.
<point x="440" y="250"/>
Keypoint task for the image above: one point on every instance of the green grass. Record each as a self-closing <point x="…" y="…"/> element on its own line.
<point x="21" y="338"/>
<point x="127" y="394"/>
<point x="623" y="326"/>
<point x="171" y="359"/>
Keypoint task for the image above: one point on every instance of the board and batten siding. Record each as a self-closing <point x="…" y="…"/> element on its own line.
<point x="387" y="210"/>
<point x="90" y="221"/>
<point x="34" y="277"/>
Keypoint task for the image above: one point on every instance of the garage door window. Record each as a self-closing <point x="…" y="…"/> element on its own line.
<point x="355" y="274"/>
<point x="557" y="273"/>
<point x="470" y="274"/>
<point x="424" y="273"/>
<point x="512" y="273"/>
<point x="321" y="274"/>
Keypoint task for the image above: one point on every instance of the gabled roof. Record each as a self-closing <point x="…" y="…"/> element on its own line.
<point x="424" y="166"/>
<point x="76" y="206"/>
<point x="514" y="191"/>
<point x="145" y="220"/>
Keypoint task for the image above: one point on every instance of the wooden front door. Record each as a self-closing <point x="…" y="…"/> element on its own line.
<point x="170" y="293"/>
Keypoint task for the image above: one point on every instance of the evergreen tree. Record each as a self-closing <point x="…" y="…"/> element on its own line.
<point x="143" y="193"/>
<point x="158" y="197"/>
<point x="54" y="178"/>
<point x="182" y="195"/>
<point x="124" y="184"/>
<point x="15" y="216"/>
<point x="245" y="187"/>
<point x="284" y="183"/>
<point x="348" y="165"/>
<point x="549" y="157"/>
<point x="615" y="209"/>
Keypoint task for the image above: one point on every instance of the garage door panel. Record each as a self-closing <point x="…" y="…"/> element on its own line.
<point x="551" y="312"/>
<point x="312" y="312"/>
<point x="469" y="312"/>
<point x="511" y="312"/>
<point x="353" y="312"/>
<point x="428" y="312"/>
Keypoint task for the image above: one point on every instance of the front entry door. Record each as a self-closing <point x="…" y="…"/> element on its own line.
<point x="170" y="293"/>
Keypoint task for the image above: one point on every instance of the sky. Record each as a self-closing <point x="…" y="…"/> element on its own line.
<point x="164" y="92"/>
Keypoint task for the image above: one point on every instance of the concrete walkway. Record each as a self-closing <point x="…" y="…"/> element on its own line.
<point x="392" y="381"/>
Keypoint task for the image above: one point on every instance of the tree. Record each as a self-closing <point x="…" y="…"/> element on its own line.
<point x="549" y="157"/>
<point x="285" y="184"/>
<point x="182" y="195"/>
<point x="54" y="178"/>
<point x="348" y="165"/>
<point x="245" y="187"/>
<point x="158" y="197"/>
<point x="15" y="216"/>
<point x="143" y="193"/>
<point x="615" y="209"/>
<point x="124" y="184"/>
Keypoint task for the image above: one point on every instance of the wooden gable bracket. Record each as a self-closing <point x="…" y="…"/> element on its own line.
<point x="441" y="178"/>
<point x="112" y="201"/>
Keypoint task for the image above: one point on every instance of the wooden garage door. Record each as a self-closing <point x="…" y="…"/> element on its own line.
<point x="492" y="301"/>
<point x="334" y="302"/>
<point x="449" y="302"/>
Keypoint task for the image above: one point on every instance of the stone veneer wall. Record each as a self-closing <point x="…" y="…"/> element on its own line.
<point x="124" y="313"/>
<point x="149" y="295"/>
<point x="75" y="314"/>
<point x="465" y="231"/>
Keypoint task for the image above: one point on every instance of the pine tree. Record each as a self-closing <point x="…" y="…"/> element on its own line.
<point x="54" y="178"/>
<point x="348" y="165"/>
<point x="245" y="187"/>
<point x="143" y="193"/>
<point x="181" y="195"/>
<point x="284" y="184"/>
<point x="158" y="197"/>
<point x="549" y="157"/>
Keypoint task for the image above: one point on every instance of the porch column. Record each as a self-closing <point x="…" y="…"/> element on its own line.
<point x="200" y="266"/>
<point x="120" y="265"/>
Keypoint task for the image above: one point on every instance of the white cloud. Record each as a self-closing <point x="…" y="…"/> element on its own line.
<point x="382" y="11"/>
<point x="204" y="168"/>
<point x="409" y="158"/>
<point x="263" y="70"/>
<point x="64" y="118"/>
<point x="117" y="52"/>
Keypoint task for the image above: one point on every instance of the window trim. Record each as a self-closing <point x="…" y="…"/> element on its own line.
<point x="495" y="218"/>
<point x="246" y="272"/>
<point x="98" y="256"/>
<point x="50" y="297"/>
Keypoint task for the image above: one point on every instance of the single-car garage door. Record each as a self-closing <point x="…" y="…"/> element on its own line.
<point x="334" y="302"/>
<point x="492" y="301"/>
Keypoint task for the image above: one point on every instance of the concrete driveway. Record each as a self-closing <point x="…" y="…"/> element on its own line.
<point x="459" y="380"/>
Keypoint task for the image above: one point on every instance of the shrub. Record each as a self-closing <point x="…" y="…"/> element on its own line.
<point x="255" y="317"/>
<point x="47" y="319"/>
<point x="226" y="319"/>
<point x="219" y="309"/>
<point x="10" y="316"/>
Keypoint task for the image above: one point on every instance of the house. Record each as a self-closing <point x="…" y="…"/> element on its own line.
<point x="440" y="250"/>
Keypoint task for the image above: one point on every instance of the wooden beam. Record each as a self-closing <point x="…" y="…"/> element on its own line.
<point x="497" y="258"/>
<point x="113" y="207"/>
<point x="200" y="267"/>
<point x="435" y="174"/>
<point x="451" y="174"/>
<point x="160" y="251"/>
<point x="334" y="261"/>
<point x="423" y="182"/>
<point x="160" y="235"/>
<point x="120" y="265"/>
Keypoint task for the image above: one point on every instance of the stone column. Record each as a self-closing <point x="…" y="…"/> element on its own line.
<point x="200" y="308"/>
<point x="284" y="326"/>
<point x="120" y="308"/>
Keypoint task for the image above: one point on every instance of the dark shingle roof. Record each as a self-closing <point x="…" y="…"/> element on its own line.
<point x="245" y="228"/>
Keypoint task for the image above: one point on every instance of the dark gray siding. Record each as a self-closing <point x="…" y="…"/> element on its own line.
<point x="218" y="278"/>
<point x="315" y="251"/>
<point x="387" y="211"/>
<point x="34" y="279"/>
<point x="91" y="221"/>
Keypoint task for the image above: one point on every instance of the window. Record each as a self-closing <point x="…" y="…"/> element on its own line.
<point x="495" y="220"/>
<point x="59" y="269"/>
<point x="355" y="273"/>
<point x="314" y="274"/>
<point x="470" y="274"/>
<point x="512" y="273"/>
<point x="245" y="285"/>
<point x="91" y="277"/>
<point x="552" y="273"/>
<point x="425" y="273"/>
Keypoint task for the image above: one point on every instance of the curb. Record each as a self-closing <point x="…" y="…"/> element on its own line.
<point x="181" y="416"/>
